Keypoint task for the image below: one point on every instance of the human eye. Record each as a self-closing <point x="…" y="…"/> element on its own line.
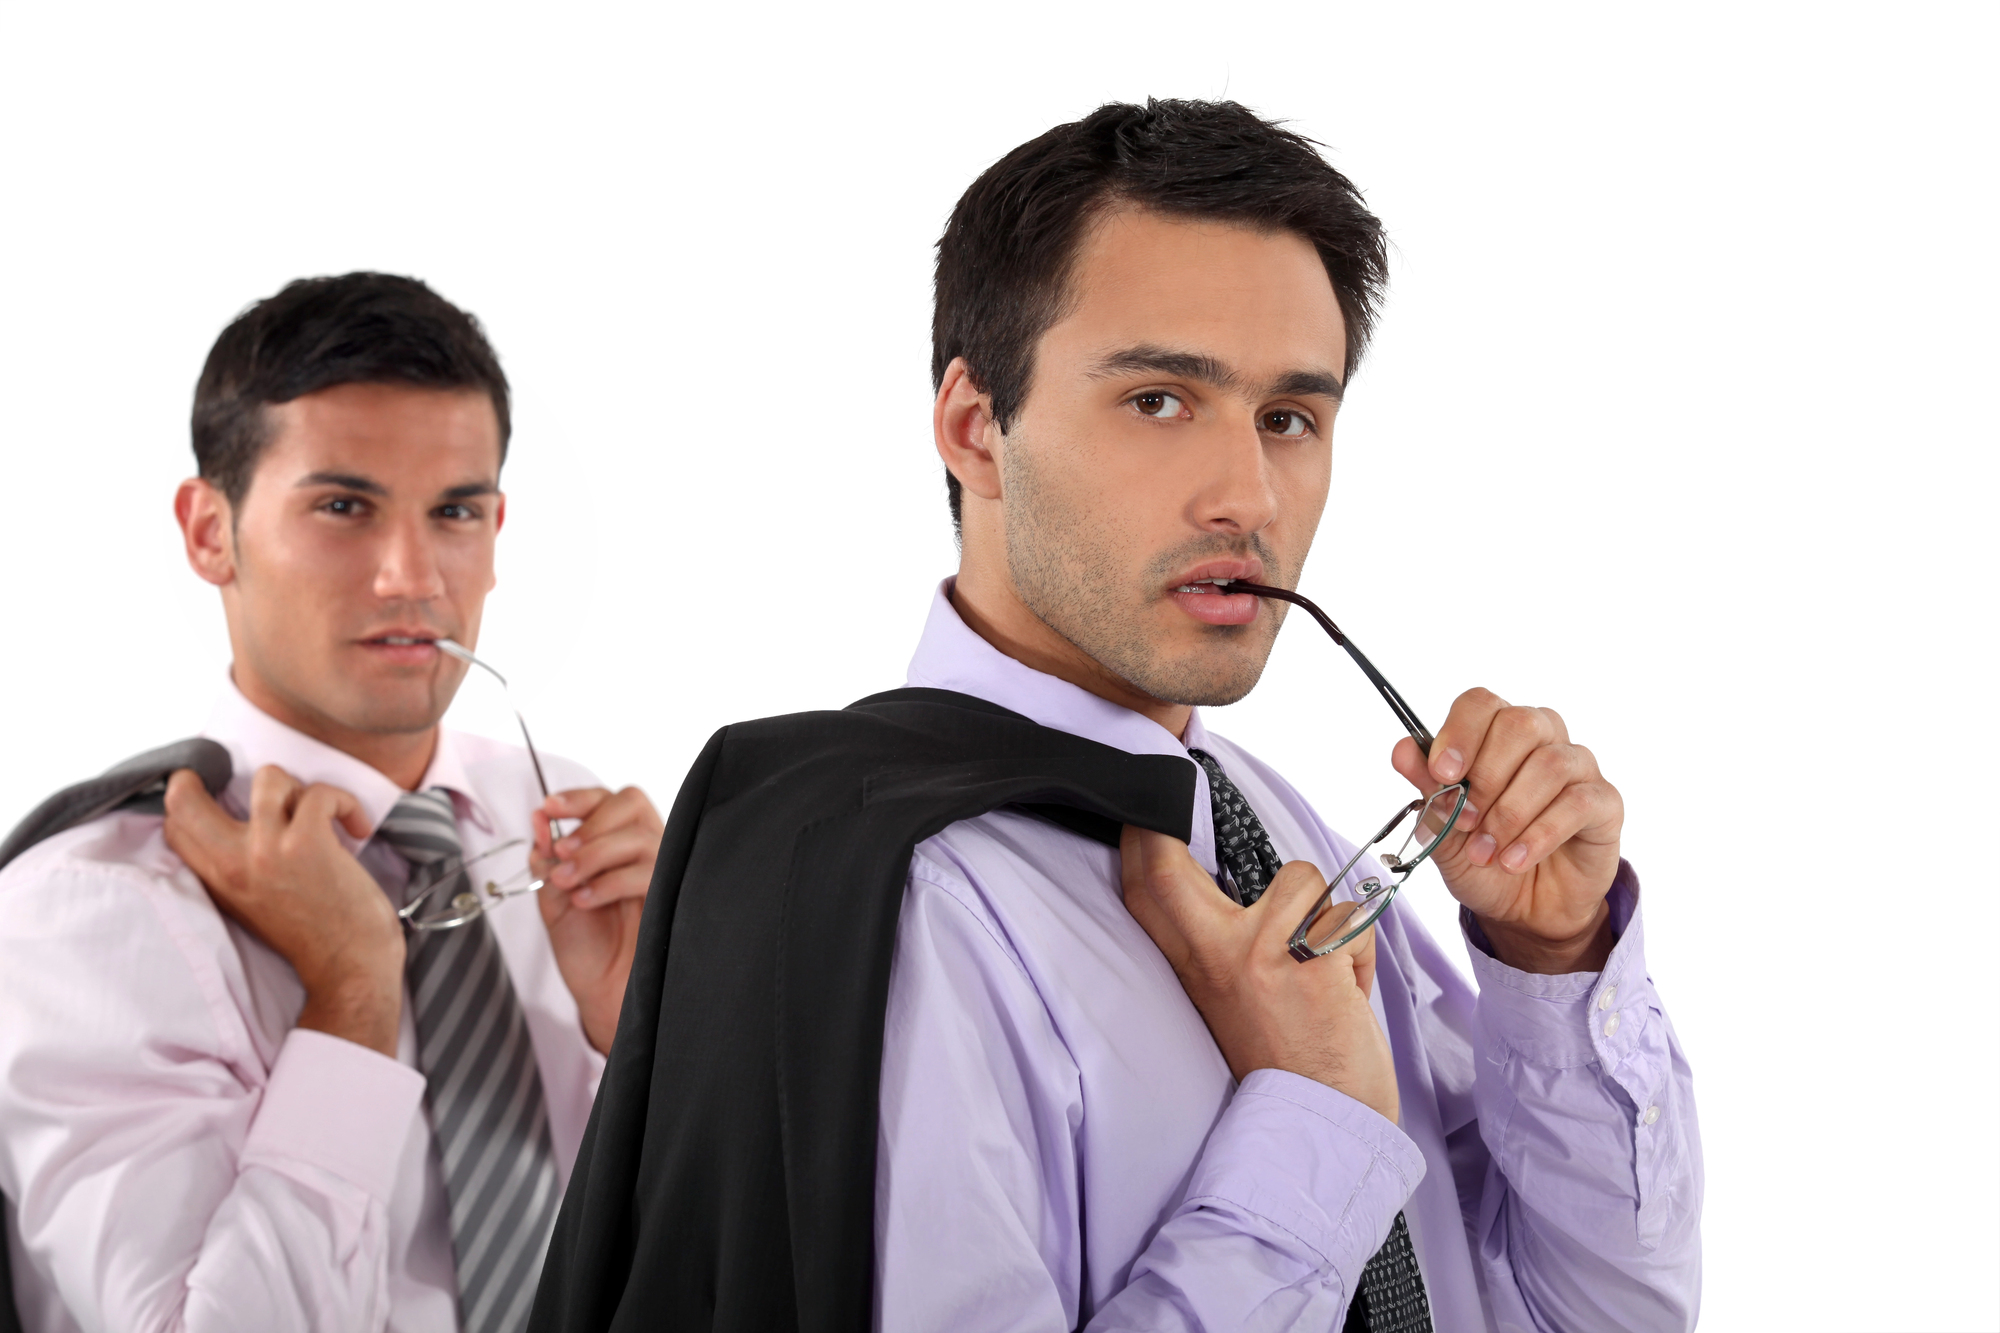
<point x="455" y="510"/>
<point x="1159" y="404"/>
<point x="1286" y="423"/>
<point x="344" y="506"/>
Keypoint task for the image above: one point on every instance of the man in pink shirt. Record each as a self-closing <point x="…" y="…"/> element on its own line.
<point x="236" y="1091"/>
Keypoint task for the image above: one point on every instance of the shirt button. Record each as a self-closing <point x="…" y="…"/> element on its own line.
<point x="1652" y="1114"/>
<point x="1611" y="1026"/>
<point x="1610" y="994"/>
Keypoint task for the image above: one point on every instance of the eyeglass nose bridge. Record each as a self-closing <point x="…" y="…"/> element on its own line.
<point x="467" y="904"/>
<point x="1372" y="896"/>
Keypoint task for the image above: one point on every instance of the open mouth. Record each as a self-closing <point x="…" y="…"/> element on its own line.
<point x="1211" y="602"/>
<point x="404" y="648"/>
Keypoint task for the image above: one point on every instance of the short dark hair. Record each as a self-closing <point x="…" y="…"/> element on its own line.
<point x="359" y="328"/>
<point x="1003" y="263"/>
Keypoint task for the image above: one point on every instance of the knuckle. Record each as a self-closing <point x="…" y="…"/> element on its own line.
<point x="1514" y="724"/>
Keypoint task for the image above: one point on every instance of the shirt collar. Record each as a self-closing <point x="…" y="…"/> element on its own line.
<point x="952" y="656"/>
<point x="254" y="739"/>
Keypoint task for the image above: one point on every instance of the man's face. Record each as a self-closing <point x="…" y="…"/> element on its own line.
<point x="366" y="534"/>
<point x="1176" y="431"/>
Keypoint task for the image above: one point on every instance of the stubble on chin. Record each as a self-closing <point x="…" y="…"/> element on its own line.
<point x="1068" y="569"/>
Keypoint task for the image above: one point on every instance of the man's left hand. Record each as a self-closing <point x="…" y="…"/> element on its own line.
<point x="596" y="878"/>
<point x="1535" y="852"/>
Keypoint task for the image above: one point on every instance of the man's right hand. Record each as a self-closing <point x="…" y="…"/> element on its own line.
<point x="286" y="877"/>
<point x="1265" y="1009"/>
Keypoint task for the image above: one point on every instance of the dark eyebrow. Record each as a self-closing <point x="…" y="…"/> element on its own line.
<point x="1180" y="365"/>
<point x="347" y="481"/>
<point x="1305" y="383"/>
<point x="1208" y="370"/>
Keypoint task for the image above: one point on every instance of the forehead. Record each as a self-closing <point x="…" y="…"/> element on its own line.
<point x="1259" y="300"/>
<point x="387" y="432"/>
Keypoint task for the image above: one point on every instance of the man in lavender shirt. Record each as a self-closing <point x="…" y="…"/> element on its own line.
<point x="1109" y="1097"/>
<point x="235" y="1094"/>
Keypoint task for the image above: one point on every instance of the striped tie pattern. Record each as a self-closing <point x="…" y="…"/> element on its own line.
<point x="488" y="1119"/>
<point x="1392" y="1297"/>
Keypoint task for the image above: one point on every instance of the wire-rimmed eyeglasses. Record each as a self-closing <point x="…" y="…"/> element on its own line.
<point x="1333" y="922"/>
<point x="442" y="895"/>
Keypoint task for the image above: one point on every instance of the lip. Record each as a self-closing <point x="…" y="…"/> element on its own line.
<point x="419" y="649"/>
<point x="1250" y="571"/>
<point x="1218" y="608"/>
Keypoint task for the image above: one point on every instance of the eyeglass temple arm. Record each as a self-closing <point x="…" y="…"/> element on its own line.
<point x="464" y="654"/>
<point x="1404" y="714"/>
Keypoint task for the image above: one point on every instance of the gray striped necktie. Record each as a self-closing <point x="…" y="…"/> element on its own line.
<point x="1392" y="1297"/>
<point x="488" y="1118"/>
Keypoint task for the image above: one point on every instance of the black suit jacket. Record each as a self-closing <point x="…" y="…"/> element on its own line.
<point x="727" y="1179"/>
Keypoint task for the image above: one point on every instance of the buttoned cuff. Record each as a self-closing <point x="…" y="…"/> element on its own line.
<point x="1574" y="1018"/>
<point x="1312" y="1161"/>
<point x="337" y="1106"/>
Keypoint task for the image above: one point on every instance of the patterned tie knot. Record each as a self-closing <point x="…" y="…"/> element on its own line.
<point x="1241" y="844"/>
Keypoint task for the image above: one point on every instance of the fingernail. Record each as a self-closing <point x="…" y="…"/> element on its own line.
<point x="565" y="871"/>
<point x="565" y="846"/>
<point x="1515" y="856"/>
<point x="585" y="896"/>
<point x="1480" y="850"/>
<point x="1468" y="818"/>
<point x="1448" y="766"/>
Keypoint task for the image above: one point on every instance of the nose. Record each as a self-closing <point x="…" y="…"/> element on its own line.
<point x="409" y="570"/>
<point x="1236" y="495"/>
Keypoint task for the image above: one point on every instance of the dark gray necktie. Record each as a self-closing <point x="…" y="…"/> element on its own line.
<point x="1392" y="1297"/>
<point x="488" y="1118"/>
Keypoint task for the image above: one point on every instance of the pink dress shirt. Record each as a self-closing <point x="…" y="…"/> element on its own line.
<point x="1062" y="1146"/>
<point x="174" y="1153"/>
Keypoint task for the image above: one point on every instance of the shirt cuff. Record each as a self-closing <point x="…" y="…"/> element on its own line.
<point x="337" y="1106"/>
<point x="1573" y="1018"/>
<point x="1312" y="1161"/>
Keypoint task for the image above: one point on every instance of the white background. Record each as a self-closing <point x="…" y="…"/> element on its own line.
<point x="1680" y="421"/>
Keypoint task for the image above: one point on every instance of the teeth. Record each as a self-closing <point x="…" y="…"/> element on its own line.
<point x="399" y="640"/>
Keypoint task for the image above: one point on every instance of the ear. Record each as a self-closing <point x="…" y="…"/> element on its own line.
<point x="205" y="518"/>
<point x="962" y="420"/>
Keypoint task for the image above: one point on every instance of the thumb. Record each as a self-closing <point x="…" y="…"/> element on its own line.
<point x="1409" y="760"/>
<point x="198" y="830"/>
<point x="1169" y="895"/>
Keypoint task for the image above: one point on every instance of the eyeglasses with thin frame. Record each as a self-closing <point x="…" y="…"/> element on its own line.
<point x="442" y="895"/>
<point x="1333" y="922"/>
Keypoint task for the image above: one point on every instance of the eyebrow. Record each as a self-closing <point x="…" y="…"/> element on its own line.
<point x="349" y="481"/>
<point x="1200" y="366"/>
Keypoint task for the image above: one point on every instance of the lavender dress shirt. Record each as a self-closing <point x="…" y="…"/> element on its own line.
<point x="1062" y="1145"/>
<point x="175" y="1153"/>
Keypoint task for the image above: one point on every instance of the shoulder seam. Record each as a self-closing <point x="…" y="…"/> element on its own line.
<point x="940" y="879"/>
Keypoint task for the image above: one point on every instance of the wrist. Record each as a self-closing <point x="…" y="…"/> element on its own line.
<point x="363" y="1005"/>
<point x="1528" y="950"/>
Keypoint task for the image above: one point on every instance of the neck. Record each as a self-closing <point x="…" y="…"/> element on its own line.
<point x="402" y="757"/>
<point x="995" y="612"/>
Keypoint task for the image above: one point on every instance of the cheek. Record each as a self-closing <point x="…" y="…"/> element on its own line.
<point x="1302" y="482"/>
<point x="467" y="567"/>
